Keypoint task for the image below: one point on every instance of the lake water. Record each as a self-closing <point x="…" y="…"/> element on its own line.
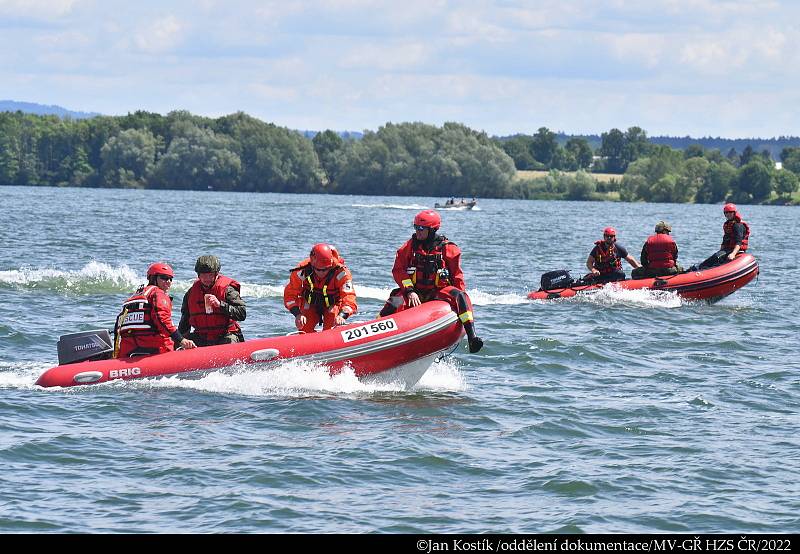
<point x="620" y="412"/>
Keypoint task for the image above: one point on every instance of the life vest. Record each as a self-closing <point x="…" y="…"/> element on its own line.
<point x="214" y="325"/>
<point x="323" y="294"/>
<point x="660" y="251"/>
<point x="136" y="317"/>
<point x="429" y="270"/>
<point x="728" y="238"/>
<point x="607" y="259"/>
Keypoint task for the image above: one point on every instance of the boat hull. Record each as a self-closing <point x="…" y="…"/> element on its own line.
<point x="395" y="348"/>
<point x="710" y="285"/>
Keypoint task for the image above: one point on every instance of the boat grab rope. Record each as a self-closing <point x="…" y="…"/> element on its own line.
<point x="445" y="355"/>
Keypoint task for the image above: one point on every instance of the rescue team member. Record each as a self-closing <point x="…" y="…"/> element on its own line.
<point x="659" y="254"/>
<point x="145" y="324"/>
<point x="428" y="267"/>
<point x="605" y="259"/>
<point x="212" y="306"/>
<point x="735" y="236"/>
<point x="320" y="290"/>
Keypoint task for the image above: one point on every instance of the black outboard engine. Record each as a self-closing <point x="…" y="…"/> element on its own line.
<point x="85" y="346"/>
<point x="558" y="279"/>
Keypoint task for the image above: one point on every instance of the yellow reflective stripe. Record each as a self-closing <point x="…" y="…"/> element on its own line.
<point x="325" y="296"/>
<point x="465" y="317"/>
<point x="408" y="283"/>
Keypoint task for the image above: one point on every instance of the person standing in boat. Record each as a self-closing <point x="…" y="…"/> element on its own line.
<point x="659" y="254"/>
<point x="212" y="306"/>
<point x="320" y="290"/>
<point x="735" y="238"/>
<point x="428" y="267"/>
<point x="145" y="324"/>
<point x="605" y="259"/>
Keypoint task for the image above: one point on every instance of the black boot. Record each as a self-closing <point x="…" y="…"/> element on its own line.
<point x="475" y="342"/>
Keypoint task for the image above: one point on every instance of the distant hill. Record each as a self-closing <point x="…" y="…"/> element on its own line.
<point x="41" y="109"/>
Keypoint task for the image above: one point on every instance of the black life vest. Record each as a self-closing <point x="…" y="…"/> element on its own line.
<point x="136" y="317"/>
<point x="429" y="270"/>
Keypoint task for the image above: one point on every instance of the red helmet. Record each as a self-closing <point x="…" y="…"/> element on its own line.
<point x="610" y="231"/>
<point x="160" y="268"/>
<point x="322" y="256"/>
<point x="729" y="208"/>
<point x="428" y="218"/>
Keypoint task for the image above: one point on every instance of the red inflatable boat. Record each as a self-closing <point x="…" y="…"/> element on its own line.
<point x="397" y="348"/>
<point x="709" y="284"/>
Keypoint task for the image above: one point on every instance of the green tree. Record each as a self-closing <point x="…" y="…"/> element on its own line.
<point x="329" y="148"/>
<point x="197" y="158"/>
<point x="717" y="183"/>
<point x="581" y="151"/>
<point x="613" y="148"/>
<point x="133" y="151"/>
<point x="544" y="146"/>
<point x="786" y="183"/>
<point x="754" y="183"/>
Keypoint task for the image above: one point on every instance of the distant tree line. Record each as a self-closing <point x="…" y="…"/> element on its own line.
<point x="241" y="153"/>
<point x="652" y="172"/>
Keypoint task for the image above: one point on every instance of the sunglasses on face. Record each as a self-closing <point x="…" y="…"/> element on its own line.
<point x="610" y="236"/>
<point x="165" y="277"/>
<point x="420" y="228"/>
<point x="730" y="212"/>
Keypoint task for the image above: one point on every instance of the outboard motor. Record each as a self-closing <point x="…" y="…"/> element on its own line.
<point x="558" y="279"/>
<point x="85" y="346"/>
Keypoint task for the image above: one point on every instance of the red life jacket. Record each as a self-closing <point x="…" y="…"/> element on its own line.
<point x="660" y="250"/>
<point x="211" y="326"/>
<point x="136" y="317"/>
<point x="607" y="259"/>
<point x="429" y="271"/>
<point x="728" y="238"/>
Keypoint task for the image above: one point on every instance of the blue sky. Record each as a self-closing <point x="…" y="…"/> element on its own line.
<point x="677" y="67"/>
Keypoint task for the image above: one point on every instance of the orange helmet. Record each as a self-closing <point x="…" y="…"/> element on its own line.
<point x="428" y="218"/>
<point x="160" y="268"/>
<point x="322" y="256"/>
<point x="610" y="231"/>
<point x="729" y="208"/>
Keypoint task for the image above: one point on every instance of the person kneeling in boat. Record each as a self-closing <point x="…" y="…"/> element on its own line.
<point x="320" y="290"/>
<point x="212" y="306"/>
<point x="735" y="236"/>
<point x="428" y="267"/>
<point x="145" y="324"/>
<point x="659" y="254"/>
<point x="605" y="259"/>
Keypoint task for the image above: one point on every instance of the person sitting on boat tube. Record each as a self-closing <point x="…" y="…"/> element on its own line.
<point x="212" y="306"/>
<point x="735" y="236"/>
<point x="320" y="290"/>
<point x="145" y="324"/>
<point x="428" y="267"/>
<point x="605" y="259"/>
<point x="659" y="254"/>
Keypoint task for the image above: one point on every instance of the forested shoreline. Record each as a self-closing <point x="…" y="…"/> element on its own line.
<point x="238" y="152"/>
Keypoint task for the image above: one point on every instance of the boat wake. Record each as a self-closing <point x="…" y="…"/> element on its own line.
<point x="288" y="379"/>
<point x="645" y="298"/>
<point x="392" y="206"/>
<point x="98" y="278"/>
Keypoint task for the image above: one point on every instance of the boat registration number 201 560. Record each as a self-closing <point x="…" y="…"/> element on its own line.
<point x="369" y="330"/>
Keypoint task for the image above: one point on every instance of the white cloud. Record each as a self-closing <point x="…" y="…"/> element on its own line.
<point x="161" y="35"/>
<point x="36" y="9"/>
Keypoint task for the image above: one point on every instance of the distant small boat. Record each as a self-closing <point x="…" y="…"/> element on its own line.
<point x="462" y="205"/>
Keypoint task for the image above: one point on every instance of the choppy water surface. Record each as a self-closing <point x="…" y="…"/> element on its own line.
<point x="620" y="412"/>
